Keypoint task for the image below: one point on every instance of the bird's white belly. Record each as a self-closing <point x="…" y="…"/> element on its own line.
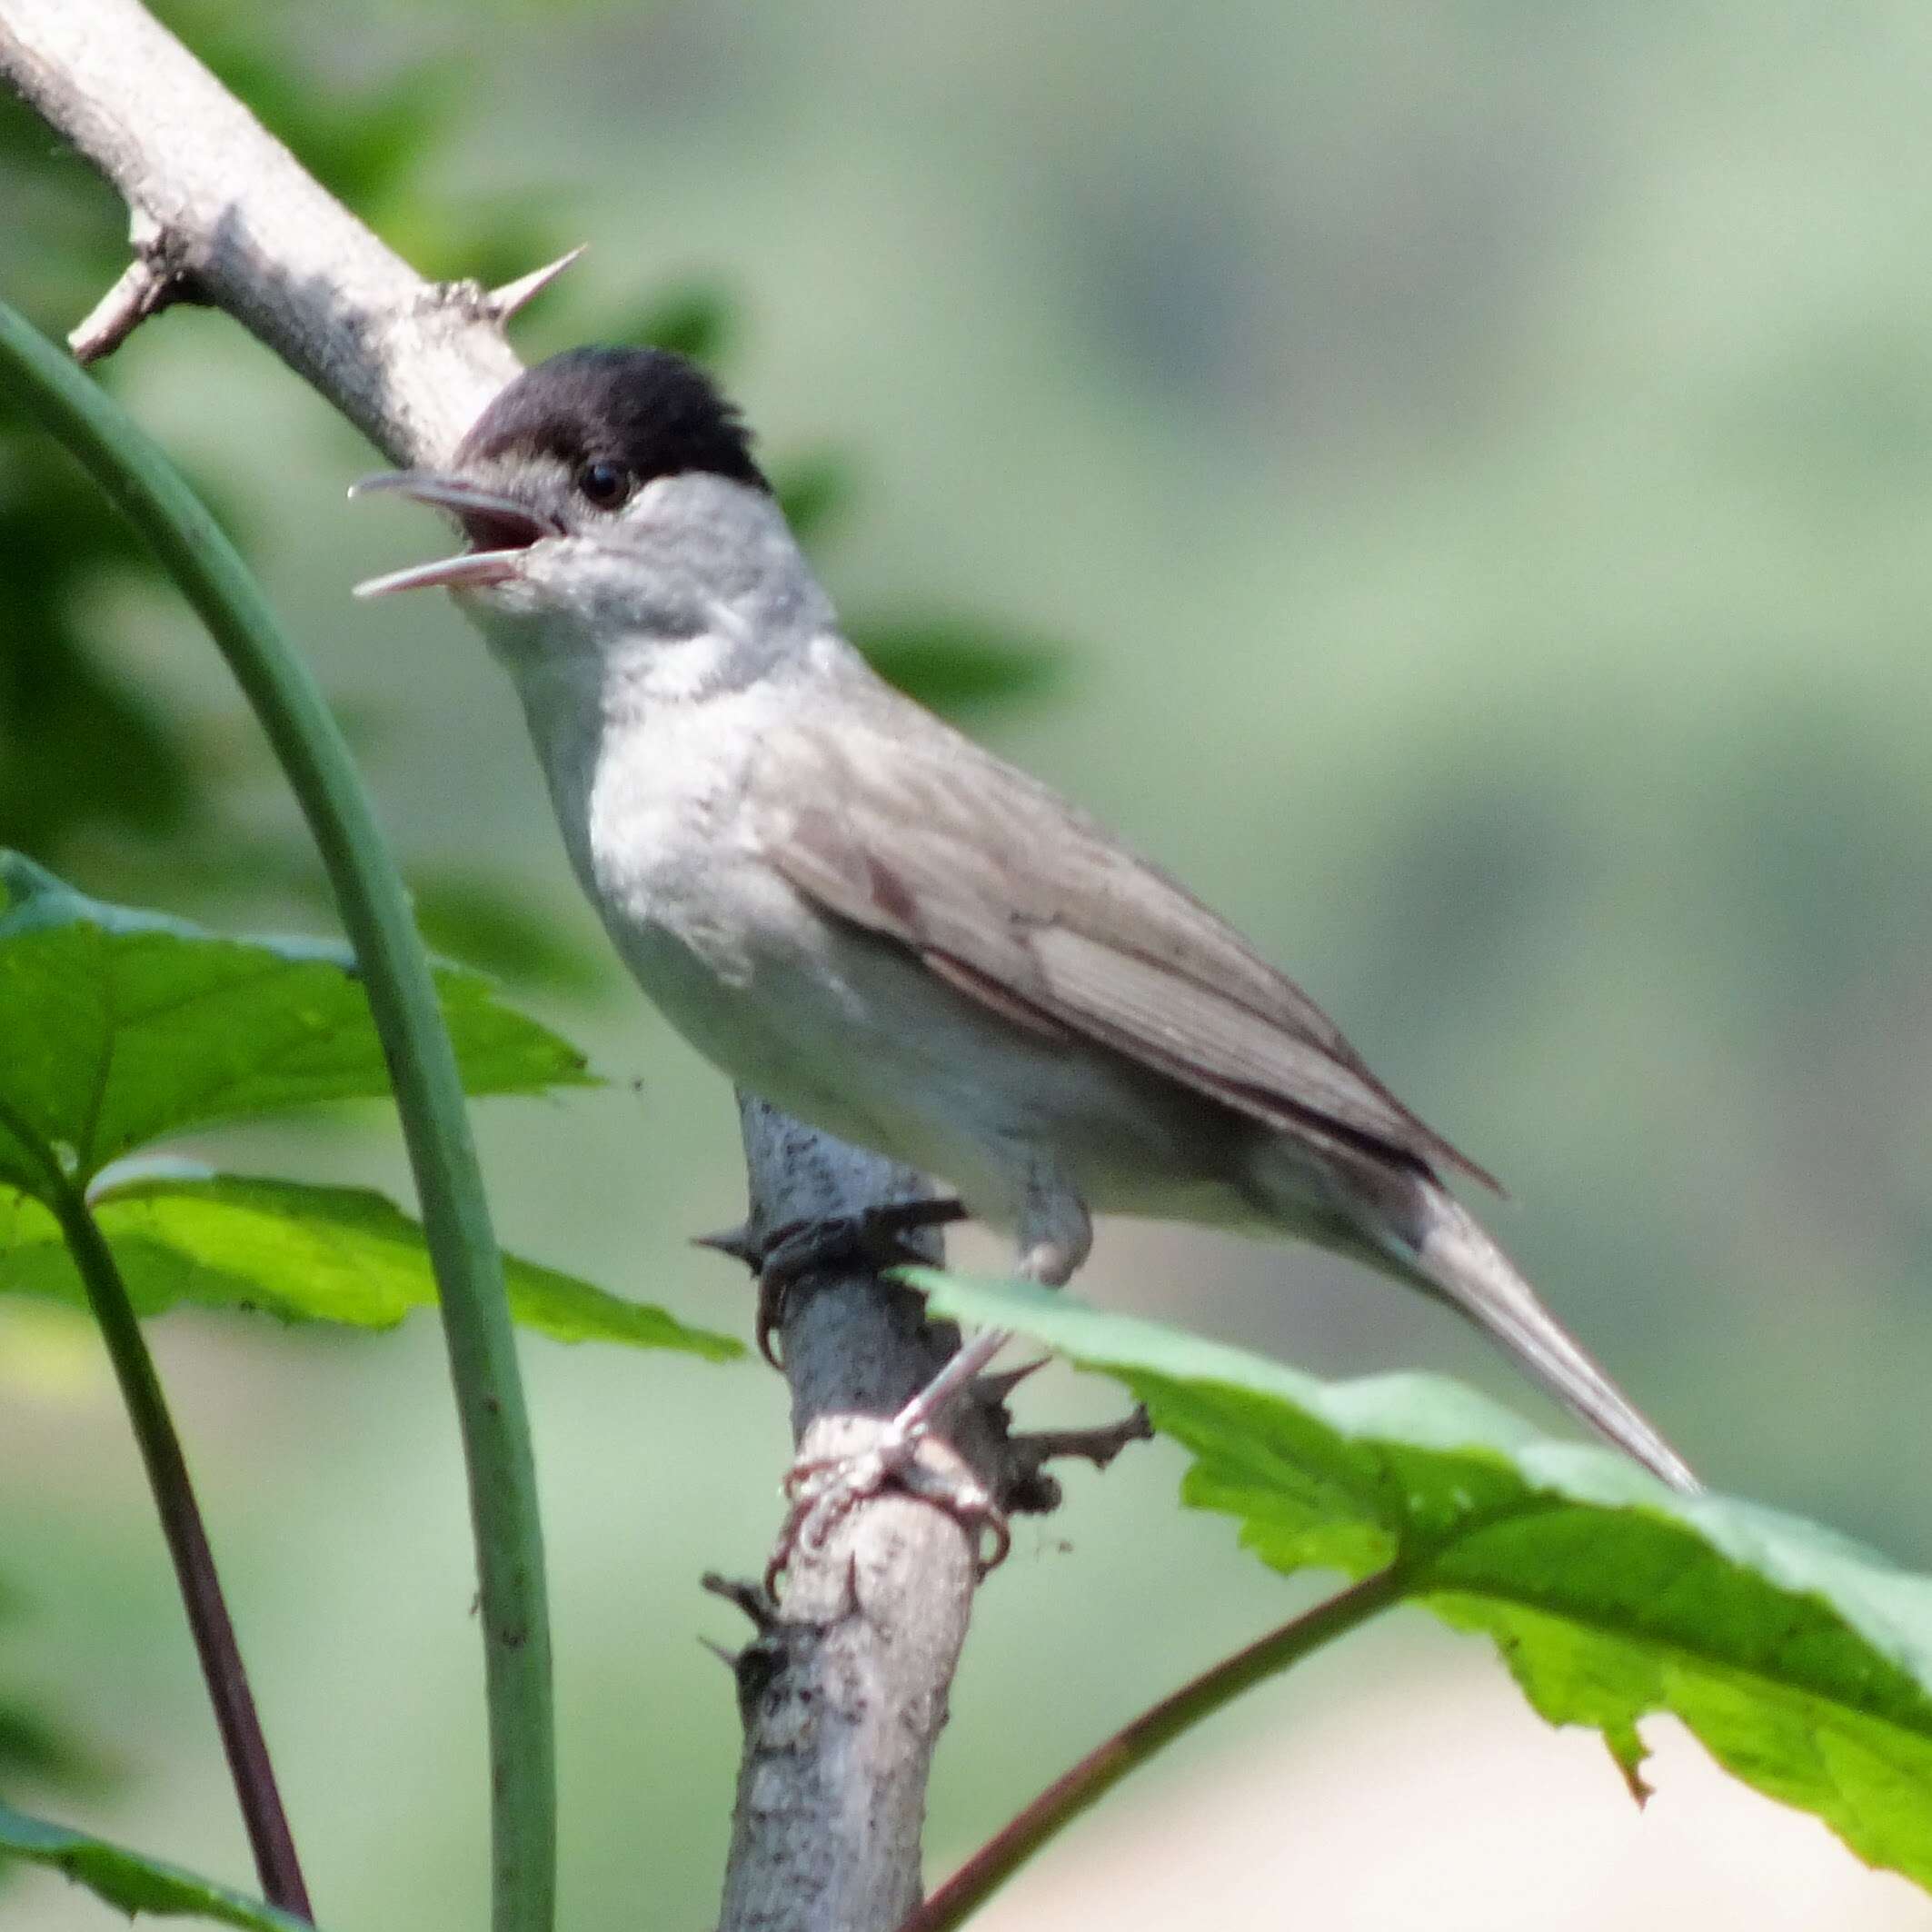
<point x="853" y="1034"/>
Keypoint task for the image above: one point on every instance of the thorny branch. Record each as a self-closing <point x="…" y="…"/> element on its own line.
<point x="844" y="1690"/>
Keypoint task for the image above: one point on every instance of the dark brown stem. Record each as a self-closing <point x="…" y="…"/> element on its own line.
<point x="1101" y="1770"/>
<point x="188" y="1540"/>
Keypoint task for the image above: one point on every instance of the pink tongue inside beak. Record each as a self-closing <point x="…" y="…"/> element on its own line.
<point x="502" y="528"/>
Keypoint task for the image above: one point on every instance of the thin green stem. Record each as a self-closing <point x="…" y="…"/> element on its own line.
<point x="423" y="1068"/>
<point x="1101" y="1770"/>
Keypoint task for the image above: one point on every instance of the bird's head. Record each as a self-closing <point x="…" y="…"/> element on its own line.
<point x="600" y="485"/>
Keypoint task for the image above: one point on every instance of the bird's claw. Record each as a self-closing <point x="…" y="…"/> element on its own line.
<point x="823" y="1490"/>
<point x="878" y="1237"/>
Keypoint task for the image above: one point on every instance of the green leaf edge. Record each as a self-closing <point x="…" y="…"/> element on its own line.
<point x="1889" y="1608"/>
<point x="367" y="1213"/>
<point x="132" y="1882"/>
<point x="1369" y="1409"/>
<point x="33" y="900"/>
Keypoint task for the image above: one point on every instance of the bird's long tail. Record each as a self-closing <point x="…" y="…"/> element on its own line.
<point x="1452" y="1256"/>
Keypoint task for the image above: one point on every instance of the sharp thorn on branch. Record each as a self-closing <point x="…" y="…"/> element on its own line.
<point x="759" y="1604"/>
<point x="740" y="1243"/>
<point x="505" y="302"/>
<point x="993" y="1390"/>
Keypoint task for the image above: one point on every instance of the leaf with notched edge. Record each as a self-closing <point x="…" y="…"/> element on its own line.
<point x="345" y="1255"/>
<point x="133" y="1882"/>
<point x="119" y="1027"/>
<point x="1802" y="1662"/>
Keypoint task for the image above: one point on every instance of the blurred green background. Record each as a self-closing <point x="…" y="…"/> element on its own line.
<point x="1473" y="465"/>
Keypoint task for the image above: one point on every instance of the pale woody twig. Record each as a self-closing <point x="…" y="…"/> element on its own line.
<point x="220" y="203"/>
<point x="842" y="1718"/>
<point x="149" y="283"/>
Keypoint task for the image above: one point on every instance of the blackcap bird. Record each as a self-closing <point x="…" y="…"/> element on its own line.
<point x="884" y="929"/>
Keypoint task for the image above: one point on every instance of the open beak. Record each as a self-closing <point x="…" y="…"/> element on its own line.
<point x="500" y="528"/>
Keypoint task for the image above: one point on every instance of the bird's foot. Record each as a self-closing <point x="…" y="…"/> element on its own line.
<point x="876" y="1238"/>
<point x="823" y="1490"/>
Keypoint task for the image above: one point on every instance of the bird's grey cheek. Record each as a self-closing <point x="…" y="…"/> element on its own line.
<point x="513" y="622"/>
<point x="511" y="597"/>
<point x="564" y="573"/>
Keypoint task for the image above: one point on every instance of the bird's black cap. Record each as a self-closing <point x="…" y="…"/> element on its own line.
<point x="650" y="410"/>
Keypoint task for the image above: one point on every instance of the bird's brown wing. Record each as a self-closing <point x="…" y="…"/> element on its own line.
<point x="907" y="830"/>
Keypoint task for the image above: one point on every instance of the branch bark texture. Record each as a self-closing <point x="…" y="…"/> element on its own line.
<point x="843" y="1689"/>
<point x="221" y="211"/>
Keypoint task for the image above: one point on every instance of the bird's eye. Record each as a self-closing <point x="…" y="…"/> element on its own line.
<point x="605" y="483"/>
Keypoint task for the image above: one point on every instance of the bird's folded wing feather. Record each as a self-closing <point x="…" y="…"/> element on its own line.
<point x="907" y="830"/>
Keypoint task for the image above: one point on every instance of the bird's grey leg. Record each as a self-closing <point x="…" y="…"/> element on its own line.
<point x="1056" y="1236"/>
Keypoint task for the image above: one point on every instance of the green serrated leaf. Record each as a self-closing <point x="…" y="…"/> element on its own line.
<point x="134" y="1883"/>
<point x="1803" y="1661"/>
<point x="345" y="1255"/>
<point x="955" y="665"/>
<point x="118" y="1027"/>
